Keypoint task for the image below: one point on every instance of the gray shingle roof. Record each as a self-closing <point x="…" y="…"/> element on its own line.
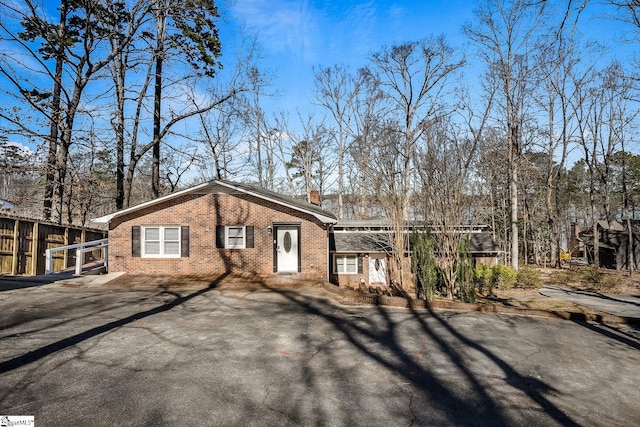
<point x="280" y="198"/>
<point x="302" y="206"/>
<point x="483" y="242"/>
<point x="359" y="242"/>
<point x="372" y="242"/>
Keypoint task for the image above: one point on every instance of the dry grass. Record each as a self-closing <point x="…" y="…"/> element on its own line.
<point x="579" y="278"/>
<point x="538" y="302"/>
<point x="593" y="280"/>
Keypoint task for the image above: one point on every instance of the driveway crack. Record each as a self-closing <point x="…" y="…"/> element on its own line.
<point x="413" y="414"/>
<point x="272" y="409"/>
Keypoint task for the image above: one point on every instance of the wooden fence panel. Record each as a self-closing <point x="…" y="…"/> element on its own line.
<point x="50" y="237"/>
<point x="6" y="245"/>
<point x="20" y="259"/>
<point x="25" y="248"/>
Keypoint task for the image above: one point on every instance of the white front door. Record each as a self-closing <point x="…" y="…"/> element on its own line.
<point x="377" y="269"/>
<point x="287" y="249"/>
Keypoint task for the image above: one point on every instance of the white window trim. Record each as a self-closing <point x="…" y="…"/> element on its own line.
<point x="227" y="245"/>
<point x="161" y="228"/>
<point x="344" y="256"/>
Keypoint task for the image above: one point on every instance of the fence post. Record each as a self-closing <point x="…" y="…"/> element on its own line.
<point x="48" y="262"/>
<point x="16" y="246"/>
<point x="35" y="248"/>
<point x="105" y="252"/>
<point x="78" y="261"/>
<point x="66" y="243"/>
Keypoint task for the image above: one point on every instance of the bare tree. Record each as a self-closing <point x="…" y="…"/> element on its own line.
<point x="386" y="176"/>
<point x="337" y="91"/>
<point x="446" y="158"/>
<point x="310" y="155"/>
<point x="600" y="119"/>
<point x="220" y="136"/>
<point x="560" y="57"/>
<point x="282" y="142"/>
<point x="368" y="116"/>
<point x="504" y="32"/>
<point x="414" y="79"/>
<point x="176" y="163"/>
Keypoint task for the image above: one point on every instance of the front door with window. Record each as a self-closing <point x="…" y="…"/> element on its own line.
<point x="377" y="269"/>
<point x="287" y="249"/>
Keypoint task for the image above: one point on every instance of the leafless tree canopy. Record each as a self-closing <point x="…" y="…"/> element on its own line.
<point x="122" y="101"/>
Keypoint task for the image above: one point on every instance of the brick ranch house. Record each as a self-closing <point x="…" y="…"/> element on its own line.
<point x="220" y="227"/>
<point x="227" y="227"/>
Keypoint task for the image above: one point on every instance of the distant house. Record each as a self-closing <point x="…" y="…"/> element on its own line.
<point x="220" y="226"/>
<point x="613" y="245"/>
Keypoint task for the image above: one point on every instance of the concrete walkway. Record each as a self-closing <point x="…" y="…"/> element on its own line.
<point x="619" y="305"/>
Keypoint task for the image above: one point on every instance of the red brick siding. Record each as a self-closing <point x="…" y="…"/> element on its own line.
<point x="353" y="280"/>
<point x="202" y="213"/>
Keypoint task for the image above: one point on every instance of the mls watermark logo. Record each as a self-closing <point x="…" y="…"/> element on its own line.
<point x="17" y="420"/>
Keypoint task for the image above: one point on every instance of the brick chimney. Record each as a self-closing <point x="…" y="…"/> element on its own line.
<point x="314" y="197"/>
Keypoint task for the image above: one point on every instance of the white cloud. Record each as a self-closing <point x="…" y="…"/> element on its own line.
<point x="20" y="150"/>
<point x="289" y="27"/>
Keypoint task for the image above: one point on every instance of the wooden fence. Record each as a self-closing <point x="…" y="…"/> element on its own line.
<point x="21" y="238"/>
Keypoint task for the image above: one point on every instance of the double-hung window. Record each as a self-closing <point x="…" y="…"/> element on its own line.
<point x="235" y="237"/>
<point x="161" y="241"/>
<point x="346" y="264"/>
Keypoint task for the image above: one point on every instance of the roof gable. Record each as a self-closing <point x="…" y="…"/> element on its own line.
<point x="229" y="186"/>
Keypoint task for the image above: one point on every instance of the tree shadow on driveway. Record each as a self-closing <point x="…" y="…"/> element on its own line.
<point x="308" y="355"/>
<point x="474" y="405"/>
<point x="42" y="352"/>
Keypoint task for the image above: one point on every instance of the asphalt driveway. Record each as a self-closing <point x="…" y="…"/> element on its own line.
<point x="619" y="305"/>
<point x="210" y="357"/>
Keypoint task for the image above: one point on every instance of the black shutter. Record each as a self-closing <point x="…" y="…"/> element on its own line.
<point x="299" y="250"/>
<point x="184" y="241"/>
<point x="219" y="236"/>
<point x="135" y="241"/>
<point x="359" y="265"/>
<point x="250" y="232"/>
<point x="274" y="234"/>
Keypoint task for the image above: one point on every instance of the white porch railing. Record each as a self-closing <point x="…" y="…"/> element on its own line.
<point x="81" y="249"/>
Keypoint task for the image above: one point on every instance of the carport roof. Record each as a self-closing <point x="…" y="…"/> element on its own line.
<point x="373" y="242"/>
<point x="346" y="242"/>
<point x="228" y="186"/>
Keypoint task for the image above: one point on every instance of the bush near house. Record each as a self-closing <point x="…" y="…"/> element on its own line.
<point x="528" y="278"/>
<point x="488" y="277"/>
<point x="429" y="277"/>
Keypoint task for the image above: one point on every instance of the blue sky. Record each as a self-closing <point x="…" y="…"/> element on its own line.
<point x="296" y="35"/>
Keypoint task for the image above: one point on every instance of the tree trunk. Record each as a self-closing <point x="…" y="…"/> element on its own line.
<point x="596" y="237"/>
<point x="119" y="124"/>
<point x="157" y="105"/>
<point x="513" y="193"/>
<point x="49" y="187"/>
